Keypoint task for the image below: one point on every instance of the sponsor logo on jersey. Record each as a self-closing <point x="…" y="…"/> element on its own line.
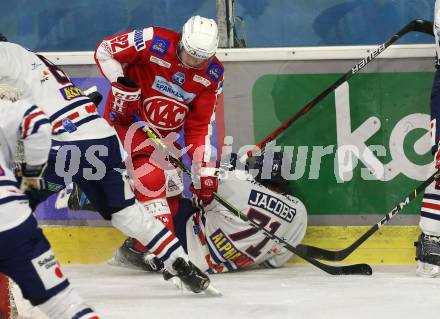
<point x="54" y="187"/>
<point x="44" y="75"/>
<point x="226" y="249"/>
<point x="48" y="270"/>
<point x="219" y="87"/>
<point x="200" y="79"/>
<point x="272" y="204"/>
<point x="68" y="125"/>
<point x="172" y="90"/>
<point x="164" y="113"/>
<point x="159" y="45"/>
<point x="160" y="62"/>
<point x="215" y="71"/>
<point x="139" y="42"/>
<point x="35" y="65"/>
<point x="178" y="78"/>
<point x="70" y="92"/>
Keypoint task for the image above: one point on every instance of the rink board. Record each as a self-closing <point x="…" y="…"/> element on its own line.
<point x="390" y="245"/>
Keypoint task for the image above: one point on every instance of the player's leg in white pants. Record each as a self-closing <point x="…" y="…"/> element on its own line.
<point x="137" y="222"/>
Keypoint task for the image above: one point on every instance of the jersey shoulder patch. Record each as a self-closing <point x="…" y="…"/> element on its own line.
<point x="159" y="45"/>
<point x="215" y="71"/>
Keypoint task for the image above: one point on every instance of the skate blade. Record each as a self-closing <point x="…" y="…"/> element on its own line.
<point x="427" y="270"/>
<point x="210" y="291"/>
<point x="121" y="264"/>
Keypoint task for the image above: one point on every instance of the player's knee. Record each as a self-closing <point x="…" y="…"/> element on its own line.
<point x="134" y="222"/>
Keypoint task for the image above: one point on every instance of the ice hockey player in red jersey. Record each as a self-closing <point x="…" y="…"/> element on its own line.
<point x="171" y="80"/>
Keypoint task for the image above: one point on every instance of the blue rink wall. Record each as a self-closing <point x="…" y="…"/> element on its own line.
<point x="50" y="25"/>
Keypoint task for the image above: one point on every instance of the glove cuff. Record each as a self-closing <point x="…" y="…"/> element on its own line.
<point x="125" y="93"/>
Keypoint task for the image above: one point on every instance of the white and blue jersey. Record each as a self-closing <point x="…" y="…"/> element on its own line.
<point x="71" y="113"/>
<point x="20" y="122"/>
<point x="219" y="241"/>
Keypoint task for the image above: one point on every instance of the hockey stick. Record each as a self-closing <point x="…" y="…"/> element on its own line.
<point x="415" y="25"/>
<point x="358" y="269"/>
<point x="319" y="253"/>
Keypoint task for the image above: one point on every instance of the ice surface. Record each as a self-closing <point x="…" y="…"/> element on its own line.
<point x="291" y="292"/>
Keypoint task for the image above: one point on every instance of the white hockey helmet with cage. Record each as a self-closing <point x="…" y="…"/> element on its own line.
<point x="200" y="37"/>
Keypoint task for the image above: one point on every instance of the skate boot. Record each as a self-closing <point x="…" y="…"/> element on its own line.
<point x="428" y="255"/>
<point x="191" y="276"/>
<point x="128" y="256"/>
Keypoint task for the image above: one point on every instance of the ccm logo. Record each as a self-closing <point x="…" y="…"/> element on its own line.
<point x="126" y="97"/>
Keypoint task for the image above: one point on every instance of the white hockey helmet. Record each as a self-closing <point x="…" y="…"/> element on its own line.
<point x="200" y="37"/>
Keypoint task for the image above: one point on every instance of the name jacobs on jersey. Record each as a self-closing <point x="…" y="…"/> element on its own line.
<point x="272" y="204"/>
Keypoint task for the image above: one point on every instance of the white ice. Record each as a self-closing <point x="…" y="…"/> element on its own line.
<point x="292" y="292"/>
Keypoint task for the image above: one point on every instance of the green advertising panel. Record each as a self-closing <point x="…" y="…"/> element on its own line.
<point x="384" y="117"/>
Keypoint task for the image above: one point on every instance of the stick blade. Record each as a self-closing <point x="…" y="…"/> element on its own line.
<point x="424" y="26"/>
<point x="357" y="269"/>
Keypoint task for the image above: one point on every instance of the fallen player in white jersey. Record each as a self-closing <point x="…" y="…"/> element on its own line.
<point x="214" y="238"/>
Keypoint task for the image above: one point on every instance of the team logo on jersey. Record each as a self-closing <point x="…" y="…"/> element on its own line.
<point x="178" y="78"/>
<point x="159" y="45"/>
<point x="200" y="79"/>
<point x="272" y="204"/>
<point x="70" y="92"/>
<point x="139" y="42"/>
<point x="226" y="249"/>
<point x="160" y="62"/>
<point x="172" y="90"/>
<point x="215" y="71"/>
<point x="164" y="113"/>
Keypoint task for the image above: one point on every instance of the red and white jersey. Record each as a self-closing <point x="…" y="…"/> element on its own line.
<point x="219" y="241"/>
<point x="72" y="114"/>
<point x="172" y="95"/>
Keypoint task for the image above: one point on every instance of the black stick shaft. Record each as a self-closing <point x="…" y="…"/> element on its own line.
<point x="319" y="253"/>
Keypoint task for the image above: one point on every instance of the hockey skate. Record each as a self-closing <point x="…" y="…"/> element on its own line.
<point x="191" y="277"/>
<point x="129" y="257"/>
<point x="428" y="256"/>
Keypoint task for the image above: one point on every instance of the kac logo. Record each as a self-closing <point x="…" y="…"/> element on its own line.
<point x="164" y="113"/>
